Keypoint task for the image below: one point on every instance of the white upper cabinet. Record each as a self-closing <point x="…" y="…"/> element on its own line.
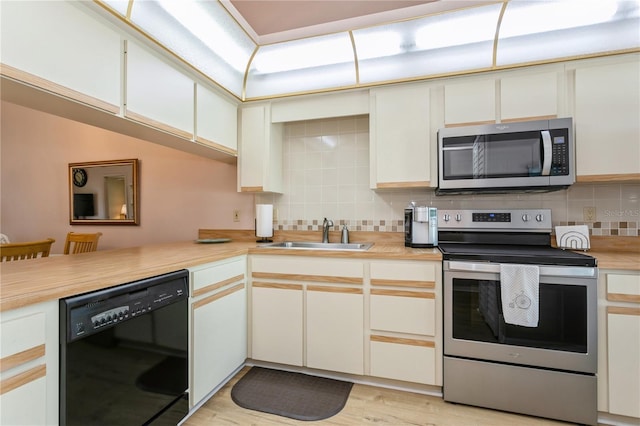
<point x="324" y="106"/>
<point x="528" y="97"/>
<point x="470" y="102"/>
<point x="158" y="94"/>
<point x="607" y="110"/>
<point x="260" y="151"/>
<point x="59" y="47"/>
<point x="399" y="137"/>
<point x="216" y="120"/>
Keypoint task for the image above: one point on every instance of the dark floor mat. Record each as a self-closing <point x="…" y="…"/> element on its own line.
<point x="294" y="395"/>
<point x="164" y="377"/>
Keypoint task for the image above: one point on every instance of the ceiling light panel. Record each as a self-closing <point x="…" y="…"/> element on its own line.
<point x="119" y="6"/>
<point x="538" y="31"/>
<point x="442" y="43"/>
<point x="302" y="65"/>
<point x="201" y="33"/>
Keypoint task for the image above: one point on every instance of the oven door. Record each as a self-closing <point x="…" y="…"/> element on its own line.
<point x="566" y="335"/>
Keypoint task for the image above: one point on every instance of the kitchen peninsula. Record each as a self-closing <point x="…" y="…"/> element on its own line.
<point x="385" y="274"/>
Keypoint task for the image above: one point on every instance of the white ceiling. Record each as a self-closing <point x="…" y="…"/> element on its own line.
<point x="274" y="21"/>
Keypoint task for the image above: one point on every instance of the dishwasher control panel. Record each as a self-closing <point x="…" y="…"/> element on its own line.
<point x="92" y="312"/>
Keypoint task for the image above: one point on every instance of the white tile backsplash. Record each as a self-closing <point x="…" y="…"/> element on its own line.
<point x="326" y="174"/>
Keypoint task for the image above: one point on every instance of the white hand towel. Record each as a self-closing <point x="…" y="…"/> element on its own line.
<point x="519" y="288"/>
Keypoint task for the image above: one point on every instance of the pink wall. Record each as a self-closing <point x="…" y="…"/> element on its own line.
<point x="179" y="192"/>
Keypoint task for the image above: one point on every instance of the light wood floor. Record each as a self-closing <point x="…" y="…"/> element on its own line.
<point x="366" y="405"/>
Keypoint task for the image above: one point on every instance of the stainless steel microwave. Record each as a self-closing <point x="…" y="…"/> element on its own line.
<point x="507" y="157"/>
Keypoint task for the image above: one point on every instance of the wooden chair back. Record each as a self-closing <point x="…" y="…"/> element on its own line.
<point x="27" y="250"/>
<point x="81" y="243"/>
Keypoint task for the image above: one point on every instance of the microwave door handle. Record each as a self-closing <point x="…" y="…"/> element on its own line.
<point x="546" y="151"/>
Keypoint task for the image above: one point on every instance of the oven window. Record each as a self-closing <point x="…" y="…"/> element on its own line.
<point x="492" y="156"/>
<point x="562" y="325"/>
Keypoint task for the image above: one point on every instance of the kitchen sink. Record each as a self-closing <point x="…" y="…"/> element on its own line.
<point x="319" y="246"/>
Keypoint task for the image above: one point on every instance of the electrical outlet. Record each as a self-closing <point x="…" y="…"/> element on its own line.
<point x="275" y="214"/>
<point x="236" y="215"/>
<point x="589" y="214"/>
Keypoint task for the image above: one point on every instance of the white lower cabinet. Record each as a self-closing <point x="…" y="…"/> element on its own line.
<point x="622" y="340"/>
<point x="29" y="358"/>
<point x="276" y="323"/>
<point x="308" y="311"/>
<point x="380" y="318"/>
<point x="218" y="324"/>
<point x="335" y="329"/>
<point x="623" y="329"/>
<point x="405" y="319"/>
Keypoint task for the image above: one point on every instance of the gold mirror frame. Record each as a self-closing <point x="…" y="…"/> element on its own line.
<point x="105" y="191"/>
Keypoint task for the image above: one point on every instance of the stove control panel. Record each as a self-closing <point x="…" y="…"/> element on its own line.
<point x="506" y="220"/>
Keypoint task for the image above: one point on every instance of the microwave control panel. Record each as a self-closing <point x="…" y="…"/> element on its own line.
<point x="559" y="153"/>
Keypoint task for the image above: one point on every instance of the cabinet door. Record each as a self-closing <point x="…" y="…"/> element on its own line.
<point x="623" y="333"/>
<point x="470" y="102"/>
<point x="335" y="329"/>
<point x="61" y="48"/>
<point x="399" y="137"/>
<point x="29" y="358"/>
<point x="157" y="94"/>
<point x="276" y="323"/>
<point x="607" y="107"/>
<point x="218" y="324"/>
<point x="216" y="120"/>
<point x="219" y="339"/>
<point x="528" y="97"/>
<point x="260" y="151"/>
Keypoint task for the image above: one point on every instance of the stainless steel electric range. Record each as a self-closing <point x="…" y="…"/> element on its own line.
<point x="529" y="347"/>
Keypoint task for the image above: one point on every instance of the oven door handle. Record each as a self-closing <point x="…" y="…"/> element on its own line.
<point x="494" y="268"/>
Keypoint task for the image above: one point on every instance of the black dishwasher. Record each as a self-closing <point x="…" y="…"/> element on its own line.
<point x="124" y="352"/>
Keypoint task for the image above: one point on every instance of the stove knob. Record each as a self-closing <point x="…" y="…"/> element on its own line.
<point x="446" y="217"/>
<point x="458" y="217"/>
<point x="526" y="217"/>
<point x="540" y="217"/>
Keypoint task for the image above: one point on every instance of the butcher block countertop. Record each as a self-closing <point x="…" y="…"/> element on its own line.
<point x="33" y="281"/>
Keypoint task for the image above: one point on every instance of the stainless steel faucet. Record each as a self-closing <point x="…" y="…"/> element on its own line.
<point x="325" y="229"/>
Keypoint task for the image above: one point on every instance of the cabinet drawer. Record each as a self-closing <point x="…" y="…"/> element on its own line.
<point x="213" y="276"/>
<point x="23" y="339"/>
<point x="307" y="269"/>
<point x="623" y="288"/>
<point x="403" y="312"/>
<point x="405" y="274"/>
<point x="403" y="359"/>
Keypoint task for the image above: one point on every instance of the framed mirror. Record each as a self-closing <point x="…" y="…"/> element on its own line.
<point x="104" y="193"/>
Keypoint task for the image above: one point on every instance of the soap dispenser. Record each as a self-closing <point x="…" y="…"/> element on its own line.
<point x="345" y="235"/>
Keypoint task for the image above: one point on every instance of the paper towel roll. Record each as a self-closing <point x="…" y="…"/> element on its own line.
<point x="264" y="220"/>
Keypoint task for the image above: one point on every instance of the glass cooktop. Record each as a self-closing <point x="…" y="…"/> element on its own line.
<point x="522" y="254"/>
